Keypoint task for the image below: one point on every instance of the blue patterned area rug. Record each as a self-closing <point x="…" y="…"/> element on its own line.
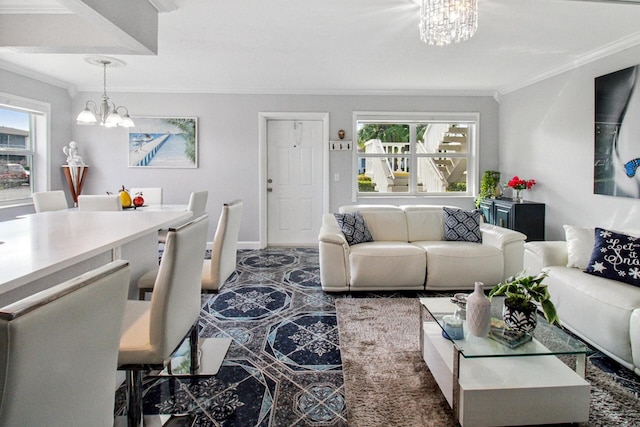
<point x="283" y="367"/>
<point x="388" y="384"/>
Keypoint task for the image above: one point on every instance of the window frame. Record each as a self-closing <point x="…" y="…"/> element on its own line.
<point x="39" y="143"/>
<point x="414" y="118"/>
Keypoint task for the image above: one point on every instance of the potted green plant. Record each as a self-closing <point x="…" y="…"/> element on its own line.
<point x="521" y="292"/>
<point x="489" y="186"/>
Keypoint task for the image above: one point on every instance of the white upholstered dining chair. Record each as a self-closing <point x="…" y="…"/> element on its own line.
<point x="151" y="195"/>
<point x="197" y="205"/>
<point x="59" y="351"/>
<point x="215" y="271"/>
<point x="198" y="202"/>
<point x="110" y="202"/>
<point x="50" y="201"/>
<point x="224" y="250"/>
<point x="153" y="330"/>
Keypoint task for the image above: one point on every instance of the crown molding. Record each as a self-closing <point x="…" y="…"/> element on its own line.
<point x="617" y="46"/>
<point x="41" y="7"/>
<point x="613" y="1"/>
<point x="164" y="5"/>
<point x="309" y="92"/>
<point x="38" y="76"/>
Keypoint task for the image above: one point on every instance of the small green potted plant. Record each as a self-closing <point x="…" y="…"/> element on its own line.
<point x="489" y="186"/>
<point x="519" y="311"/>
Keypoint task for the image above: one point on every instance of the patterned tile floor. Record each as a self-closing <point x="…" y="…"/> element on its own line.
<point x="283" y="367"/>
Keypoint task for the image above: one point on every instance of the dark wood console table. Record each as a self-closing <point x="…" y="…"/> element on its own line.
<point x="525" y="217"/>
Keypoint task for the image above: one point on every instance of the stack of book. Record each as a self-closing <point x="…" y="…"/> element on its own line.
<point x="500" y="333"/>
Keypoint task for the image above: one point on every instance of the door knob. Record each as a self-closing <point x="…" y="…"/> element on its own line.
<point x="269" y="181"/>
<point x="269" y="190"/>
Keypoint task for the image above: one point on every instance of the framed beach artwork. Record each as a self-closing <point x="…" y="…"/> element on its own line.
<point x="164" y="142"/>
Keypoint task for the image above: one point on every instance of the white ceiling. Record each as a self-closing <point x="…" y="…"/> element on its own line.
<point x="342" y="46"/>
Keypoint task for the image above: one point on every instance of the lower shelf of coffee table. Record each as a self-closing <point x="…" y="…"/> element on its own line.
<point x="512" y="391"/>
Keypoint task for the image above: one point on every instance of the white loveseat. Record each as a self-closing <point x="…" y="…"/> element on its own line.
<point x="408" y="252"/>
<point x="603" y="312"/>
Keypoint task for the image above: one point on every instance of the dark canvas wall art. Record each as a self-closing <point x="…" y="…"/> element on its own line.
<point x="617" y="134"/>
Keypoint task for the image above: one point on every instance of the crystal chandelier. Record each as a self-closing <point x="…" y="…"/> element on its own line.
<point x="106" y="111"/>
<point x="443" y="22"/>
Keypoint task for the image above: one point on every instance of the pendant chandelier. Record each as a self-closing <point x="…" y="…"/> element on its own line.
<point x="443" y="22"/>
<point x="106" y="113"/>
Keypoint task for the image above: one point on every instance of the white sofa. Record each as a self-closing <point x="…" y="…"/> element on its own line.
<point x="408" y="252"/>
<point x="603" y="312"/>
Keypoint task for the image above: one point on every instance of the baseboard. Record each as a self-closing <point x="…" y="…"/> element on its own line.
<point x="241" y="245"/>
<point x="249" y="245"/>
<point x="256" y="245"/>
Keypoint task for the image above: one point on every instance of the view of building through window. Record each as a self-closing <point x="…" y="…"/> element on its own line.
<point x="416" y="157"/>
<point x="16" y="154"/>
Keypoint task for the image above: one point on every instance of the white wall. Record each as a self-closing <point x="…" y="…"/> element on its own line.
<point x="547" y="133"/>
<point x="228" y="129"/>
<point x="228" y="141"/>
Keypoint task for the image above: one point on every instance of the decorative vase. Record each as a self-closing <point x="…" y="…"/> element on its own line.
<point x="478" y="312"/>
<point x="497" y="192"/>
<point x="517" y="198"/>
<point x="519" y="319"/>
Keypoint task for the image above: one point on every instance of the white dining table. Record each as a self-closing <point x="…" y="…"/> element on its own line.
<point x="41" y="250"/>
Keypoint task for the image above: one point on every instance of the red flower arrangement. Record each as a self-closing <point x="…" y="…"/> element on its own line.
<point x="520" y="184"/>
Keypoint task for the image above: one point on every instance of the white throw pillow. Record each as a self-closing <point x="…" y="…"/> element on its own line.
<point x="580" y="243"/>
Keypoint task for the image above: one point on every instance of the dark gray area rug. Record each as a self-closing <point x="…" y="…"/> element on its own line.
<point x="388" y="384"/>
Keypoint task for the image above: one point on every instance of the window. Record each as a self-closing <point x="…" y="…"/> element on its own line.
<point x="22" y="130"/>
<point x="415" y="154"/>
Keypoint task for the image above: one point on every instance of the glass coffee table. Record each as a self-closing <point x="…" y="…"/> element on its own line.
<point x="489" y="384"/>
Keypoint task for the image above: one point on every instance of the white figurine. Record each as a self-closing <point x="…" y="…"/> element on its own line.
<point x="73" y="158"/>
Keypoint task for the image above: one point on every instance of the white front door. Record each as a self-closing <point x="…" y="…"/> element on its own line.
<point x="294" y="181"/>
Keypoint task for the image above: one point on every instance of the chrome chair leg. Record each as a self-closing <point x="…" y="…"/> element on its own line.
<point x="134" y="398"/>
<point x="194" y="349"/>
